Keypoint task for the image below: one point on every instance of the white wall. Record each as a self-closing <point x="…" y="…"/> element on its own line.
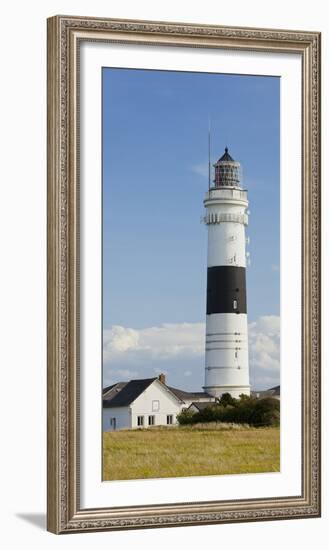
<point x="226" y="244"/>
<point x="226" y="240"/>
<point x="23" y="272"/>
<point x="143" y="405"/>
<point x="122" y="417"/>
<point x="237" y="371"/>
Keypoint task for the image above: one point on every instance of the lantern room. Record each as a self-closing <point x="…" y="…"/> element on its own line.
<point x="227" y="171"/>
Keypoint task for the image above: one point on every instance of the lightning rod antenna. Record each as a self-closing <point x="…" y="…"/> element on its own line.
<point x="208" y="153"/>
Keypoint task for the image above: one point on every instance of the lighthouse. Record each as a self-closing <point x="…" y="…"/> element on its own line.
<point x="226" y="217"/>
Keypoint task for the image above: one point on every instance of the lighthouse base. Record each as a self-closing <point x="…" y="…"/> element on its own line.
<point x="234" y="391"/>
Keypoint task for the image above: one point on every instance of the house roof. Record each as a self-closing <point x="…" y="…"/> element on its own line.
<point x="271" y="392"/>
<point x="123" y="394"/>
<point x="185" y="395"/>
<point x="275" y="390"/>
<point x="201" y="405"/>
<point x="107" y="388"/>
<point x="129" y="392"/>
<point x="111" y="391"/>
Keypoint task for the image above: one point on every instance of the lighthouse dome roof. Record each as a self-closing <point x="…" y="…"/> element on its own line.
<point x="226" y="157"/>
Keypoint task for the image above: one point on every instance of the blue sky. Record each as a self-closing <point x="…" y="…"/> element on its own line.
<point x="155" y="126"/>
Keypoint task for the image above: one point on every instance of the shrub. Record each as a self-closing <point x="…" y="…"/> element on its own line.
<point x="186" y="417"/>
<point x="212" y="413"/>
<point x="246" y="410"/>
<point x="266" y="412"/>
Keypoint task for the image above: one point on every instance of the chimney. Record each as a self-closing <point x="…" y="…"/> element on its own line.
<point x="162" y="378"/>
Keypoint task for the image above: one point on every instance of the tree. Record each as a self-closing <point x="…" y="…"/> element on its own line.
<point x="227" y="399"/>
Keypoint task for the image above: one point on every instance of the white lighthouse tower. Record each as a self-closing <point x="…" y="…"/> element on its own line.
<point x="227" y="366"/>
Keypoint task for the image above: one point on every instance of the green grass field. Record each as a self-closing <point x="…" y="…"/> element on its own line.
<point x="198" y="450"/>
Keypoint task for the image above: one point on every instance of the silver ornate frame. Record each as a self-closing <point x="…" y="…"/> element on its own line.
<point x="64" y="37"/>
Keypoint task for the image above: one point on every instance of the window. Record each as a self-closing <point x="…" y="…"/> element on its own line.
<point x="235" y="304"/>
<point x="155" y="405"/>
<point x="151" y="420"/>
<point x="140" y="420"/>
<point x="170" y="419"/>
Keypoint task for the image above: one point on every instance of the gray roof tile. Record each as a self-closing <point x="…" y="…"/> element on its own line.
<point x="130" y="391"/>
<point x="183" y="395"/>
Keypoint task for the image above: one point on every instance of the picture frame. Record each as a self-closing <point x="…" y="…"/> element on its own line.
<point x="66" y="35"/>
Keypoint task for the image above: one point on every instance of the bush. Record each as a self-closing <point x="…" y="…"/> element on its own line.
<point x="246" y="410"/>
<point x="266" y="412"/>
<point x="186" y="417"/>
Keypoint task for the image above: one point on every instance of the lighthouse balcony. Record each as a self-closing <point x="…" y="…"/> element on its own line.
<point x="226" y="193"/>
<point x="216" y="217"/>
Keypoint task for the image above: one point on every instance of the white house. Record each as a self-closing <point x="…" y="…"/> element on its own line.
<point x="145" y="402"/>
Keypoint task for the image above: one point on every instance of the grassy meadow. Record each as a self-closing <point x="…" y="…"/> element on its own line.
<point x="206" y="449"/>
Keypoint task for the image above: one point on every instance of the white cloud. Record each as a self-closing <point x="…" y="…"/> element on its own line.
<point x="120" y="339"/>
<point x="170" y="348"/>
<point x="264" y="351"/>
<point x="269" y="324"/>
<point x="201" y="169"/>
<point x="164" y="341"/>
<point x="177" y="349"/>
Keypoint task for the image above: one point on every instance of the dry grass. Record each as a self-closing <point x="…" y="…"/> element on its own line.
<point x="206" y="449"/>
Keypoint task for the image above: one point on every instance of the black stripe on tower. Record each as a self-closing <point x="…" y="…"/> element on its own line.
<point x="226" y="290"/>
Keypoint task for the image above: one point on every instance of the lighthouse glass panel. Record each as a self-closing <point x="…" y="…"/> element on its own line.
<point x="191" y="274"/>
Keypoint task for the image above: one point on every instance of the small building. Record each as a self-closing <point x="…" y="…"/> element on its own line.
<point x="193" y="397"/>
<point x="271" y="392"/>
<point x="145" y="403"/>
<point x="198" y="406"/>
